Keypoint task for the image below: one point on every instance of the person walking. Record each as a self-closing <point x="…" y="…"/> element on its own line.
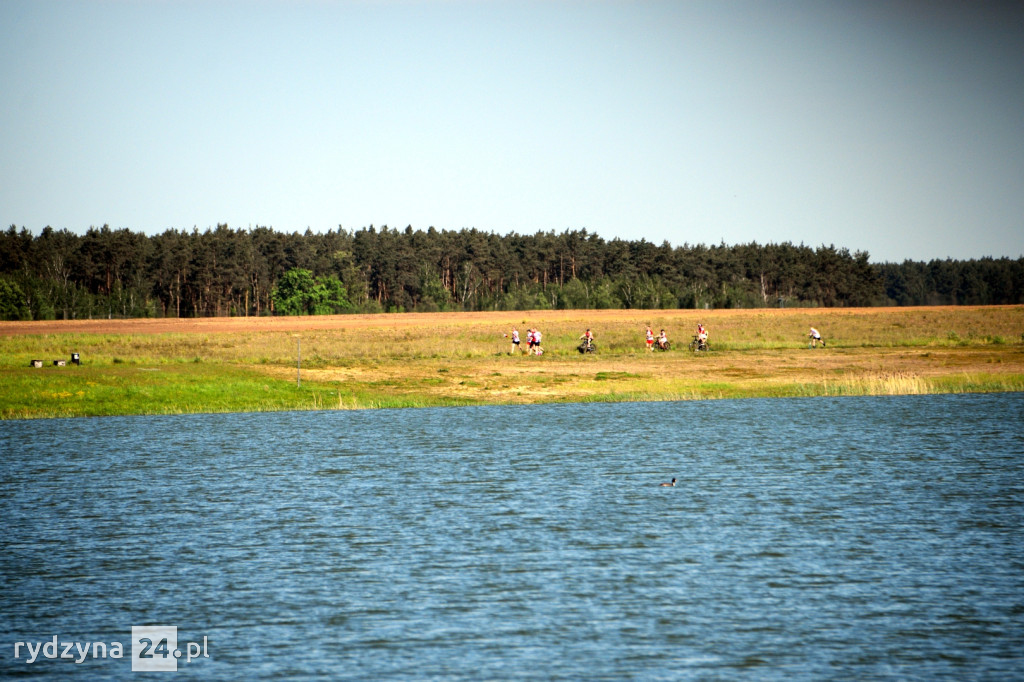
<point x="815" y="337"/>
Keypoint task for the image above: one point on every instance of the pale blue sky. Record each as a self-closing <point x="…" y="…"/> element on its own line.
<point x="891" y="127"/>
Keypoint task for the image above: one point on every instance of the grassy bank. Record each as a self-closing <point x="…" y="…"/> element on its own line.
<point x="353" y="362"/>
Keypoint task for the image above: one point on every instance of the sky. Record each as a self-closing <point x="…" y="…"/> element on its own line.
<point x="895" y="128"/>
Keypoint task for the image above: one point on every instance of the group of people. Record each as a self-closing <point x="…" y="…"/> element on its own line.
<point x="533" y="339"/>
<point x="661" y="343"/>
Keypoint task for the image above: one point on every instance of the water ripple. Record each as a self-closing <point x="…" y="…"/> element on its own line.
<point x="821" y="538"/>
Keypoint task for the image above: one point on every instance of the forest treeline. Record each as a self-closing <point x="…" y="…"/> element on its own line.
<point x="223" y="271"/>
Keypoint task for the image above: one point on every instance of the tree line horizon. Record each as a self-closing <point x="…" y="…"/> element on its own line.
<point x="223" y="271"/>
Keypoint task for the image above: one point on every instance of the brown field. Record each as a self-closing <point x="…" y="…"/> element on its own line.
<point x="457" y="358"/>
<point x="935" y="317"/>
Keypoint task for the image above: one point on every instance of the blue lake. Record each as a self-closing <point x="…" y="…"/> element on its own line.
<point x="848" y="538"/>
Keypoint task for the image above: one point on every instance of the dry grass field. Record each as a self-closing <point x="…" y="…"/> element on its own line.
<point x="358" y="361"/>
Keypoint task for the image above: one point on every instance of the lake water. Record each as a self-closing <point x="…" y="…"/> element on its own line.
<point x="848" y="538"/>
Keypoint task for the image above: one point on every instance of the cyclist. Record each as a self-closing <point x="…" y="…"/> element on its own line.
<point x="702" y="335"/>
<point x="588" y="339"/>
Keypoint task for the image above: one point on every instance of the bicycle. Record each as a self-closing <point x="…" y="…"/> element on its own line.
<point x="585" y="348"/>
<point x="698" y="344"/>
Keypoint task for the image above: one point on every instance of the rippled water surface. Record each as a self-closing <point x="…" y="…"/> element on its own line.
<point x="847" y="538"/>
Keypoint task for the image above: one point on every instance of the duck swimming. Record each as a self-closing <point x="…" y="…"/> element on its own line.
<point x="668" y="485"/>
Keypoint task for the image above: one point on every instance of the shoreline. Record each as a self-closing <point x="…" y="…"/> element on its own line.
<point x="217" y="365"/>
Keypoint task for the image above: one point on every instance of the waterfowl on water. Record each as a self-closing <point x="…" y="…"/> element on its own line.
<point x="669" y="485"/>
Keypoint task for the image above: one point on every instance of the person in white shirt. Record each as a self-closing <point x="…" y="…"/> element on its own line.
<point x="815" y="337"/>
